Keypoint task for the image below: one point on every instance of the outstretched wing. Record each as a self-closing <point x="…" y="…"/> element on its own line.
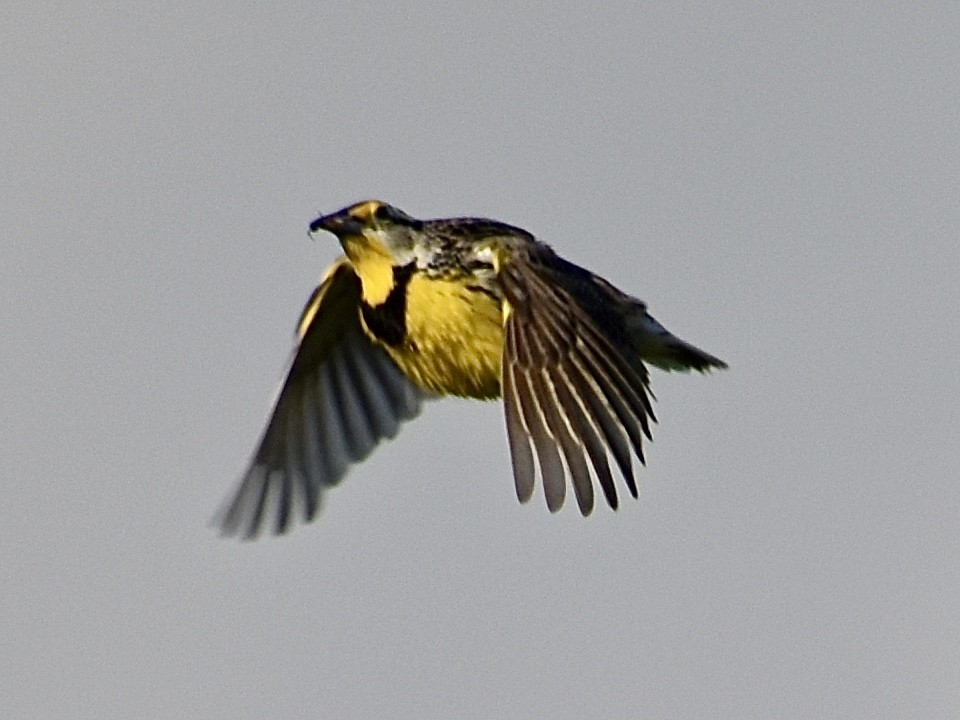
<point x="570" y="396"/>
<point x="341" y="396"/>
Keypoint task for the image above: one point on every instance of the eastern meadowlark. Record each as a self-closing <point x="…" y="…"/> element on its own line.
<point x="468" y="307"/>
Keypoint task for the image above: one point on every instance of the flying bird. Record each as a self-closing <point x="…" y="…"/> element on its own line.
<point x="467" y="307"/>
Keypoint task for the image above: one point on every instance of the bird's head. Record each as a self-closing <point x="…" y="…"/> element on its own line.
<point x="372" y="227"/>
<point x="376" y="238"/>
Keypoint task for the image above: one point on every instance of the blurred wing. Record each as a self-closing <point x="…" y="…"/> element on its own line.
<point x="569" y="394"/>
<point x="341" y="396"/>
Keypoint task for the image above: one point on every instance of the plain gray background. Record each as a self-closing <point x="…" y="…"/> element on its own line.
<point x="779" y="182"/>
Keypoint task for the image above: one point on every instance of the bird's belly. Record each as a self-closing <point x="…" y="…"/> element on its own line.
<point x="454" y="338"/>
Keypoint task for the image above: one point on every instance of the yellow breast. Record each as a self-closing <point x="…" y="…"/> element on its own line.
<point x="454" y="338"/>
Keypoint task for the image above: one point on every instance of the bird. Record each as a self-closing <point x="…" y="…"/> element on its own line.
<point x="467" y="307"/>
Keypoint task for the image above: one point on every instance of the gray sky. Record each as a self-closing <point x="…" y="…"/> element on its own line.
<point x="780" y="185"/>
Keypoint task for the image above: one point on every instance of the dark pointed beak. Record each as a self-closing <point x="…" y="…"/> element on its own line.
<point x="339" y="223"/>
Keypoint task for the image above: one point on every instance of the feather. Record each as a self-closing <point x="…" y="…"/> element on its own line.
<point x="577" y="395"/>
<point x="341" y="396"/>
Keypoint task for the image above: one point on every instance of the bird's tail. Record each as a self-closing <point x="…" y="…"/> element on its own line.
<point x="661" y="348"/>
